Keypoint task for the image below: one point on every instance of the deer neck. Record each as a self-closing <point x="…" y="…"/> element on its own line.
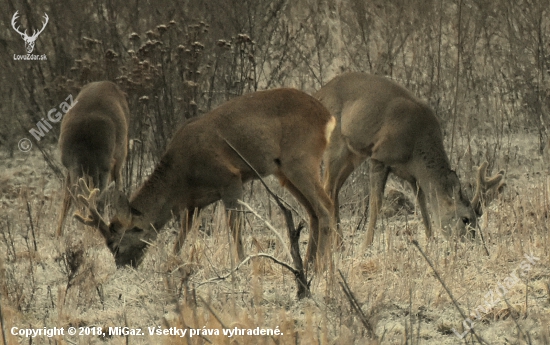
<point x="432" y="171"/>
<point x="154" y="201"/>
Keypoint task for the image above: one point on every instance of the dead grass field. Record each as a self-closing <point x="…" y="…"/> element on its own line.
<point x="46" y="282"/>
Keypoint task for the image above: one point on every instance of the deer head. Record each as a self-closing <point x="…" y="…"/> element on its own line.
<point x="29" y="40"/>
<point x="119" y="234"/>
<point x="457" y="215"/>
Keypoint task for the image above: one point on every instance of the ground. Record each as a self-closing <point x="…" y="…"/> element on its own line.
<point x="72" y="281"/>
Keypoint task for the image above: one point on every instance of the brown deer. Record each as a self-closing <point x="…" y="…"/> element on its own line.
<point x="93" y="140"/>
<point x="380" y="119"/>
<point x="281" y="132"/>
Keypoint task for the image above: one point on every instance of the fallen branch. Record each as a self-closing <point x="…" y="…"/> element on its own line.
<point x="248" y="258"/>
<point x="356" y="307"/>
<point x="415" y="243"/>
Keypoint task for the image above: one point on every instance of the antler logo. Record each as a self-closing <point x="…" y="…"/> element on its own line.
<point x="29" y="40"/>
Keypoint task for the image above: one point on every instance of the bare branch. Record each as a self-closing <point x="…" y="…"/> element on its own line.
<point x="248" y="258"/>
<point x="286" y="250"/>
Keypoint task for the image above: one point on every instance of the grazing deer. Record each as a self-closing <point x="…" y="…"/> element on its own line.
<point x="94" y="139"/>
<point x="281" y="132"/>
<point x="378" y="118"/>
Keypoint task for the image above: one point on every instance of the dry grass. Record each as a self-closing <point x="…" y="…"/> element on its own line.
<point x="46" y="282"/>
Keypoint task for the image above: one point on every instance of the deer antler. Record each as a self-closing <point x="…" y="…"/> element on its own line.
<point x="13" y="20"/>
<point x="483" y="184"/>
<point x="34" y="35"/>
<point x="93" y="218"/>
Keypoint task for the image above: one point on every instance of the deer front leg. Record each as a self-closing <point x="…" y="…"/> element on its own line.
<point x="421" y="196"/>
<point x="378" y="177"/>
<point x="234" y="212"/>
<point x="187" y="217"/>
<point x="236" y="223"/>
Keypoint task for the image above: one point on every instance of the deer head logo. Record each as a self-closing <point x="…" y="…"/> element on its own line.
<point x="29" y="40"/>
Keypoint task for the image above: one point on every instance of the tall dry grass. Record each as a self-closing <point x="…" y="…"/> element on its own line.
<point x="482" y="65"/>
<point x="73" y="281"/>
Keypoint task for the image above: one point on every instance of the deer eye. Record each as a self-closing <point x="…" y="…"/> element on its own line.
<point x="135" y="212"/>
<point x="466" y="220"/>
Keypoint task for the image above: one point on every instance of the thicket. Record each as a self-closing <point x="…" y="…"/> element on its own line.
<point x="482" y="65"/>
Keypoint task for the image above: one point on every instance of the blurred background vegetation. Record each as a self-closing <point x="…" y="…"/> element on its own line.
<point x="483" y="65"/>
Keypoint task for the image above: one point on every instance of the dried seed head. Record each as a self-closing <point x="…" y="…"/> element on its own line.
<point x="162" y="29"/>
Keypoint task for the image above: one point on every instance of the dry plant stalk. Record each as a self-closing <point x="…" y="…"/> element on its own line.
<point x="2" y="323"/>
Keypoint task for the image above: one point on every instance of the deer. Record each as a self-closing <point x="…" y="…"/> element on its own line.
<point x="380" y="120"/>
<point x="280" y="132"/>
<point x="94" y="141"/>
<point x="29" y="40"/>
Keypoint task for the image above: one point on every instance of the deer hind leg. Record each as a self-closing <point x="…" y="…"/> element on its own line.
<point x="339" y="166"/>
<point x="235" y="213"/>
<point x="65" y="206"/>
<point x="313" y="220"/>
<point x="306" y="187"/>
<point x="378" y="177"/>
<point x="116" y="172"/>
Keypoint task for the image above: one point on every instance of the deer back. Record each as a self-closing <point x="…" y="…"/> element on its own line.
<point x="271" y="129"/>
<point x="378" y="118"/>
<point x="94" y="132"/>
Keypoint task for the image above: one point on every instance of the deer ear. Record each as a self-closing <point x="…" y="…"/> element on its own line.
<point x="122" y="208"/>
